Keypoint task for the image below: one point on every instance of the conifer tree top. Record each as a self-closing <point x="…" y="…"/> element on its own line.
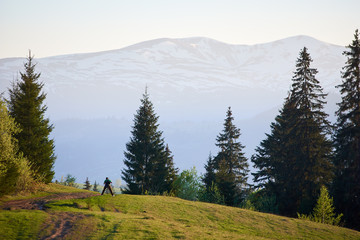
<point x="229" y="134"/>
<point x="306" y="92"/>
<point x="350" y="87"/>
<point x="27" y="108"/>
<point x="306" y="89"/>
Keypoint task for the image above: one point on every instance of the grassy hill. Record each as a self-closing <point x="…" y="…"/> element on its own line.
<point x="67" y="213"/>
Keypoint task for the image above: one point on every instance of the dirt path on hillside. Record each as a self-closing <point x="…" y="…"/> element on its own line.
<point x="58" y="224"/>
<point x="39" y="203"/>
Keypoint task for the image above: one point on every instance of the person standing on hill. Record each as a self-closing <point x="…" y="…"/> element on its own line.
<point x="107" y="183"/>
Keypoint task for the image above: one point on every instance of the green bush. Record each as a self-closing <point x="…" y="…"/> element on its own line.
<point x="15" y="173"/>
<point x="211" y="195"/>
<point x="187" y="185"/>
<point x="323" y="211"/>
<point x="261" y="201"/>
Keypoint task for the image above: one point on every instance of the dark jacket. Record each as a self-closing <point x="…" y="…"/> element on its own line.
<point x="107" y="182"/>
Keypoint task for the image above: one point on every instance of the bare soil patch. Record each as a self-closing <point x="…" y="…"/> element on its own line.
<point x="59" y="225"/>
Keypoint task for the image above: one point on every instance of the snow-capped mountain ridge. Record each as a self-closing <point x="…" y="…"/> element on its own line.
<point x="203" y="61"/>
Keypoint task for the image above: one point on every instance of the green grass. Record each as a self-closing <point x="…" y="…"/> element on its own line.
<point x="158" y="217"/>
<point x="21" y="224"/>
<point x="43" y="190"/>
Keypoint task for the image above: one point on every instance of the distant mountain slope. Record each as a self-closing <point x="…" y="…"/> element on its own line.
<point x="92" y="97"/>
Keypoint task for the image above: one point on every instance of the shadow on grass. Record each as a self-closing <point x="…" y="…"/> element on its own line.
<point x="70" y="205"/>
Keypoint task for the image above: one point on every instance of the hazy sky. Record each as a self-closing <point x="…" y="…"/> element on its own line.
<point x="54" y="27"/>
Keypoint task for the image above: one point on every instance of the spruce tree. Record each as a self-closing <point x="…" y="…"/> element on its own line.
<point x="27" y="108"/>
<point x="148" y="164"/>
<point x="324" y="210"/>
<point x="311" y="129"/>
<point x="95" y="187"/>
<point x="87" y="185"/>
<point x="209" y="178"/>
<point x="172" y="171"/>
<point x="230" y="163"/>
<point x="294" y="160"/>
<point x="346" y="186"/>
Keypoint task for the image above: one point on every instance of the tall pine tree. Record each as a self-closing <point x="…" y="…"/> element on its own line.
<point x="230" y="163"/>
<point x="311" y="129"/>
<point x="346" y="185"/>
<point x="27" y="108"/>
<point x="149" y="166"/>
<point x="294" y="160"/>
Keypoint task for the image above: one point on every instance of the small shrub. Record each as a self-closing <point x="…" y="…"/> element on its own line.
<point x="211" y="195"/>
<point x="262" y="201"/>
<point x="25" y="181"/>
<point x="247" y="204"/>
<point x="70" y="181"/>
<point x="323" y="211"/>
<point x="187" y="185"/>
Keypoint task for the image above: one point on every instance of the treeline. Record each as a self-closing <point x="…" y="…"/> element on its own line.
<point x="70" y="181"/>
<point x="302" y="154"/>
<point x="26" y="151"/>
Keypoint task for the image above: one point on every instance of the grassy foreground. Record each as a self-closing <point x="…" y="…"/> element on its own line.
<point x="154" y="217"/>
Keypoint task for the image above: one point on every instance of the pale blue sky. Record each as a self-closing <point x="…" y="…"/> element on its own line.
<point x="55" y="27"/>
